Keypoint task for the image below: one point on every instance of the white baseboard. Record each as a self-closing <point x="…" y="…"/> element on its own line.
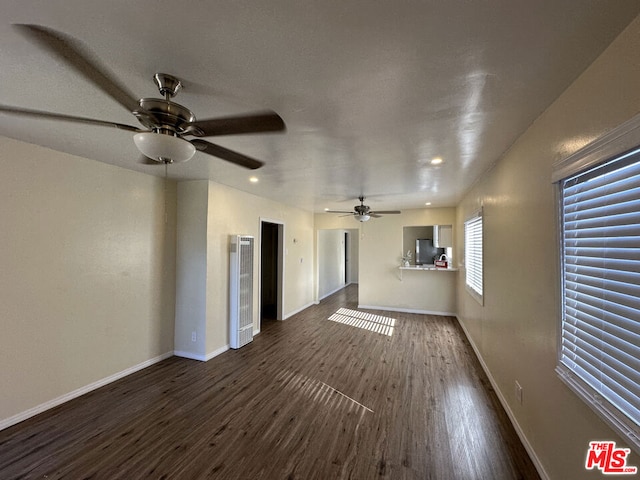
<point x="407" y="310"/>
<point x="190" y="355"/>
<point x="532" y="454"/>
<point x="7" y="422"/>
<point x="217" y="352"/>
<point x="202" y="358"/>
<point x="304" y="307"/>
<point x="333" y="291"/>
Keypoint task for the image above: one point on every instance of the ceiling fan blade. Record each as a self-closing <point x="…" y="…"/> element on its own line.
<point x="66" y="118"/>
<point x="253" y="123"/>
<point x="226" y="154"/>
<point x="385" y="212"/>
<point x="76" y="55"/>
<point x="338" y="211"/>
<point x="144" y="160"/>
<point x="374" y="215"/>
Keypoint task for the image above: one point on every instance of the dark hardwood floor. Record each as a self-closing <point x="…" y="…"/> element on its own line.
<point x="310" y="398"/>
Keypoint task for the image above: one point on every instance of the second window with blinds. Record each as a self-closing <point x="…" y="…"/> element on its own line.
<point x="473" y="235"/>
<point x="599" y="355"/>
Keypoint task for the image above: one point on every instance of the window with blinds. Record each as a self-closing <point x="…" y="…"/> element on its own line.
<point x="473" y="256"/>
<point x="599" y="356"/>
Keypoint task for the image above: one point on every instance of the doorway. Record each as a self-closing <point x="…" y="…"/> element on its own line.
<point x="337" y="257"/>
<point x="351" y="247"/>
<point x="271" y="270"/>
<point x="347" y="254"/>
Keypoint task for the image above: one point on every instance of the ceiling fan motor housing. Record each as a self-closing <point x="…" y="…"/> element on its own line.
<point x="362" y="209"/>
<point x="166" y="116"/>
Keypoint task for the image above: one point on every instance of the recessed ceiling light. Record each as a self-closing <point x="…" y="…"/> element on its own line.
<point x="428" y="203"/>
<point x="436" y="161"/>
<point x="253" y="179"/>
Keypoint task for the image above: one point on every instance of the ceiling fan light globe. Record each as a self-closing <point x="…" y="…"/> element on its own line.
<point x="161" y="147"/>
<point x="363" y="218"/>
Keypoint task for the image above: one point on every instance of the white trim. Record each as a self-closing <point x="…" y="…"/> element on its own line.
<point x="190" y="355"/>
<point x="332" y="292"/>
<point x="523" y="438"/>
<point x="7" y="422"/>
<point x="407" y="310"/>
<point x="216" y="352"/>
<point x="619" y="140"/>
<point x="607" y="411"/>
<point x="202" y="358"/>
<point x="475" y="295"/>
<point x="304" y="307"/>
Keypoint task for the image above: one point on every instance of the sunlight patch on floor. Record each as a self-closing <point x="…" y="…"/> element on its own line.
<point x="318" y="391"/>
<point x="366" y="321"/>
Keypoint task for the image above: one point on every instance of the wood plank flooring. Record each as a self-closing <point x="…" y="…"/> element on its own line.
<point x="309" y="398"/>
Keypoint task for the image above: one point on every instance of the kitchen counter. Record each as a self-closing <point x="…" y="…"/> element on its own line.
<point x="426" y="268"/>
<point x="429" y="267"/>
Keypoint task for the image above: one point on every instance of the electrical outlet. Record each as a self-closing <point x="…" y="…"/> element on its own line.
<point x="193" y="336"/>
<point x="518" y="393"/>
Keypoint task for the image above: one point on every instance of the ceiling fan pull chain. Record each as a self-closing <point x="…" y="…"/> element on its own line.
<point x="166" y="181"/>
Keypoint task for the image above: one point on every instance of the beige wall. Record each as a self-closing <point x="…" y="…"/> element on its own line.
<point x="212" y="213"/>
<point x="517" y="329"/>
<point x="380" y="284"/>
<point x="234" y="212"/>
<point x="87" y="274"/>
<point x="380" y="251"/>
<point x="331" y="261"/>
<point x="191" y="269"/>
<point x="328" y="221"/>
<point x="354" y="254"/>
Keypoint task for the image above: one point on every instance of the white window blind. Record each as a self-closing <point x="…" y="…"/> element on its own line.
<point x="600" y="349"/>
<point x="473" y="255"/>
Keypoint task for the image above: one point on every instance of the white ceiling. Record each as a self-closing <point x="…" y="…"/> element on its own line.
<point x="370" y="90"/>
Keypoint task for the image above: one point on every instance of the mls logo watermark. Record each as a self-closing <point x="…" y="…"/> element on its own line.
<point x="609" y="459"/>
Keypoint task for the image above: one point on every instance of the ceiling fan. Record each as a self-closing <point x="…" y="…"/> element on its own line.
<point x="166" y="124"/>
<point x="363" y="212"/>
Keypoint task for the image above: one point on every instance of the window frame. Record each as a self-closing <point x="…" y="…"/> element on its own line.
<point x="610" y="147"/>
<point x="472" y="220"/>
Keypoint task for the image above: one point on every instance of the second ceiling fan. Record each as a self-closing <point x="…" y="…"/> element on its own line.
<point x="363" y="212"/>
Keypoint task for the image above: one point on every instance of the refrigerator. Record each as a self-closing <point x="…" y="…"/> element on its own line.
<point x="426" y="253"/>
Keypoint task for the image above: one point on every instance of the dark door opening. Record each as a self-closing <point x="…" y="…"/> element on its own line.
<point x="347" y="279"/>
<point x="269" y="285"/>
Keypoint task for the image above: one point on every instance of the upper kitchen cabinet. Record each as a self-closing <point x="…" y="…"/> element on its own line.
<point x="443" y="236"/>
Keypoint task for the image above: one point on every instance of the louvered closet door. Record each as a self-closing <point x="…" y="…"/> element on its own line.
<point x="241" y="291"/>
<point x="245" y="302"/>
